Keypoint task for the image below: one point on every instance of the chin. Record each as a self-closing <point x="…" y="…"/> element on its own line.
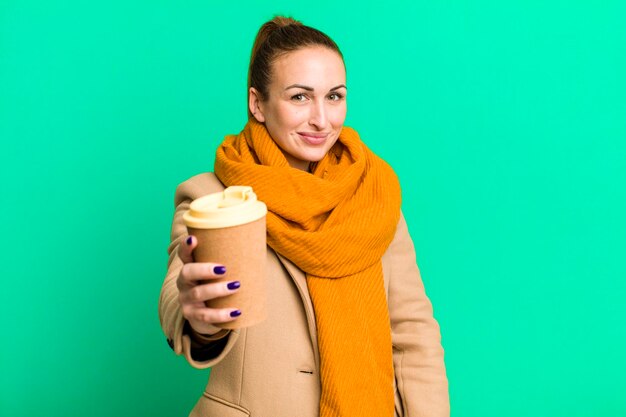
<point x="316" y="157"/>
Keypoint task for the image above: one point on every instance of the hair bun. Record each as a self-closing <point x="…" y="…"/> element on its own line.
<point x="282" y="21"/>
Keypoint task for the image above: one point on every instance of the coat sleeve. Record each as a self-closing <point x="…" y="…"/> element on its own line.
<point x="417" y="351"/>
<point x="170" y="314"/>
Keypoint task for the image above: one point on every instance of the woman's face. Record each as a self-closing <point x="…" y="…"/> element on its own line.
<point x="306" y="104"/>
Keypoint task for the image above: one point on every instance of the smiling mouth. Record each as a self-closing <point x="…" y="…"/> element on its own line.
<point x="313" y="138"/>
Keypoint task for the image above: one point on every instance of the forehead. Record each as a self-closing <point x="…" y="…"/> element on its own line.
<point x="314" y="66"/>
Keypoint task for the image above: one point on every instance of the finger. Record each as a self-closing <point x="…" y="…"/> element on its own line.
<point x="193" y="272"/>
<point x="203" y="328"/>
<point x="186" y="247"/>
<point x="204" y="292"/>
<point x="214" y="315"/>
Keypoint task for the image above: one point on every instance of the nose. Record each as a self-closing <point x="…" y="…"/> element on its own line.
<point x="318" y="116"/>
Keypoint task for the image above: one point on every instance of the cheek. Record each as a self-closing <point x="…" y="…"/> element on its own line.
<point x="338" y="115"/>
<point x="289" y="116"/>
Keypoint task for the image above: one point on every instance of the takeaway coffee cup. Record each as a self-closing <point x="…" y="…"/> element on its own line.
<point x="230" y="228"/>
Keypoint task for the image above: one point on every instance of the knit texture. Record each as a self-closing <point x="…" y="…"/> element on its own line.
<point x="335" y="224"/>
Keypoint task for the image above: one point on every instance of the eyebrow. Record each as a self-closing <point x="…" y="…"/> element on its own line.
<point x="307" y="88"/>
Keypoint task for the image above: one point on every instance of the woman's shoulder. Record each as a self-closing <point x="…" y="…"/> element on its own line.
<point x="197" y="186"/>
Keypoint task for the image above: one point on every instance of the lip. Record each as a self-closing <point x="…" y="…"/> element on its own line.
<point x="313" y="138"/>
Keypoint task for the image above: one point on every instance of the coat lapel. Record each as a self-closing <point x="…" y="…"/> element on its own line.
<point x="299" y="278"/>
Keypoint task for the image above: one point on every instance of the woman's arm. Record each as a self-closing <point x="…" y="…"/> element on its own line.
<point x="201" y="351"/>
<point x="417" y="352"/>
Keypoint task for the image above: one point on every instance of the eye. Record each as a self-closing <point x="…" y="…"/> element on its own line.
<point x="298" y="97"/>
<point x="335" y="96"/>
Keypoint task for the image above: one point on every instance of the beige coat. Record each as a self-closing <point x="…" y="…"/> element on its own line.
<point x="271" y="369"/>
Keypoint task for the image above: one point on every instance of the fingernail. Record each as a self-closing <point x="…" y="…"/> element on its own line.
<point x="189" y="240"/>
<point x="233" y="285"/>
<point x="235" y="313"/>
<point x="219" y="270"/>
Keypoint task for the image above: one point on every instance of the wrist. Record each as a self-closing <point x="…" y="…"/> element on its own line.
<point x="201" y="339"/>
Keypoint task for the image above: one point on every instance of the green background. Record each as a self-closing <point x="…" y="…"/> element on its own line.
<point x="506" y="122"/>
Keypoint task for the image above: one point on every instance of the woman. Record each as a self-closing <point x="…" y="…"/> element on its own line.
<point x="350" y="331"/>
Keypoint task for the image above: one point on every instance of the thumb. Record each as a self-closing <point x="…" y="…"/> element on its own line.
<point x="186" y="247"/>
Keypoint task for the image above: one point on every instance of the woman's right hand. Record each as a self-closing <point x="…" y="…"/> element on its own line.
<point x="194" y="290"/>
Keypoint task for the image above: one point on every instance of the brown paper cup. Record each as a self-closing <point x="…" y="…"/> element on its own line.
<point x="242" y="250"/>
<point x="230" y="229"/>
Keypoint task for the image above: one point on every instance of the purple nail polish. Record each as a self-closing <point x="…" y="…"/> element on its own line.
<point x="235" y="313"/>
<point x="219" y="270"/>
<point x="233" y="285"/>
<point x="189" y="240"/>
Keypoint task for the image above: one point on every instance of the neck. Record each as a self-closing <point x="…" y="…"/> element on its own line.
<point x="297" y="163"/>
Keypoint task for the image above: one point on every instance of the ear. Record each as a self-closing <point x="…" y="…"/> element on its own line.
<point x="256" y="105"/>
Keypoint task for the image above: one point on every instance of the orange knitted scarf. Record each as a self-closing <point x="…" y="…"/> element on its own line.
<point x="335" y="224"/>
